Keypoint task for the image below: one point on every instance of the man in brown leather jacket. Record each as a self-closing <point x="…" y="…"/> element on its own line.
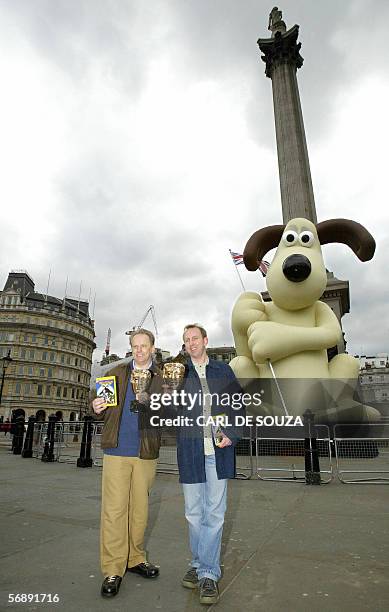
<point x="131" y="449"/>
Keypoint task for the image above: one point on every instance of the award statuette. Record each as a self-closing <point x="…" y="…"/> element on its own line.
<point x="173" y="374"/>
<point x="140" y="381"/>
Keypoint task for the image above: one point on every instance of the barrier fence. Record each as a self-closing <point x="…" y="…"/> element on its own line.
<point x="281" y="454"/>
<point x="362" y="453"/>
<point x="285" y="454"/>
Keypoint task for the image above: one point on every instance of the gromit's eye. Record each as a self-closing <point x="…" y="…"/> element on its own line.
<point x="290" y="238"/>
<point x="306" y="238"/>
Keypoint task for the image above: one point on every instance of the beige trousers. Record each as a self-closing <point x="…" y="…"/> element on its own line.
<point x="126" y="484"/>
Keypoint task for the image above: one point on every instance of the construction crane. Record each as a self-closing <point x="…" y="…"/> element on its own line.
<point x="151" y="310"/>
<point x="108" y="345"/>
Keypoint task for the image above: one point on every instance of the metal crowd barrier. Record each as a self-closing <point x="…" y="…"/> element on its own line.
<point x="362" y="453"/>
<point x="67" y="437"/>
<point x="280" y="453"/>
<point x="97" y="453"/>
<point x="39" y="440"/>
<point x="167" y="461"/>
<point x="244" y="456"/>
<point x="269" y="453"/>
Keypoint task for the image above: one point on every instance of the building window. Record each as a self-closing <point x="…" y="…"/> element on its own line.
<point x="73" y="393"/>
<point x="48" y="391"/>
<point x="44" y="356"/>
<point x="52" y="356"/>
<point x="45" y="340"/>
<point x="41" y="372"/>
<point x="58" y="391"/>
<point x="25" y="338"/>
<point x="33" y="338"/>
<point x="39" y="390"/>
<point x="23" y="353"/>
<point x="65" y="392"/>
<point x="31" y="353"/>
<point x="30" y="371"/>
<point x="17" y="388"/>
<point x="50" y="372"/>
<point x="20" y="370"/>
<point x="27" y="388"/>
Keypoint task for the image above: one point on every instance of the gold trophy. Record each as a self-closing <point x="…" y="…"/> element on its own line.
<point x="173" y="374"/>
<point x="140" y="381"/>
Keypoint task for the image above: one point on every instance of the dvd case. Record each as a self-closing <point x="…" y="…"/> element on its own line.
<point x="106" y="388"/>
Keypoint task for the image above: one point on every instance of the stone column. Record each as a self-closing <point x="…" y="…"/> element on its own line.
<point x="282" y="58"/>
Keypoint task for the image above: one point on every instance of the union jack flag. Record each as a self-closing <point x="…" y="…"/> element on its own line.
<point x="237" y="258"/>
<point x="263" y="267"/>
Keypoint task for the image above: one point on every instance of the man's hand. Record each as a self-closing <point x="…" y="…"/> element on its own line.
<point x="98" y="405"/>
<point x="143" y="397"/>
<point x="225" y="441"/>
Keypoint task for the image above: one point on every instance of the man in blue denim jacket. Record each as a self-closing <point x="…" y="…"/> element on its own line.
<point x="206" y="457"/>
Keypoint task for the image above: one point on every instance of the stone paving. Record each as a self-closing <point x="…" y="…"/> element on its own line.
<point x="286" y="546"/>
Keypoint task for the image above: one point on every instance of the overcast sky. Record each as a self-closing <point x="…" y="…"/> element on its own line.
<point x="138" y="145"/>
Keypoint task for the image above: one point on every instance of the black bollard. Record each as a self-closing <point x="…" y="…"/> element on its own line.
<point x="84" y="459"/>
<point x="27" y="447"/>
<point x="17" y="440"/>
<point x="48" y="451"/>
<point x="312" y="465"/>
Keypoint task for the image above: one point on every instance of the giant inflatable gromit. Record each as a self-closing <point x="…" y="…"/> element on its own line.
<point x="292" y="332"/>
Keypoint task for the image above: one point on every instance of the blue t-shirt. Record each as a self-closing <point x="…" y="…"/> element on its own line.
<point x="128" y="440"/>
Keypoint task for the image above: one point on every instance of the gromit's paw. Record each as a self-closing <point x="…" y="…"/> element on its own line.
<point x="248" y="309"/>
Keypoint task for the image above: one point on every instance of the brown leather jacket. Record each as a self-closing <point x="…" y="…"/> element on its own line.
<point x="150" y="437"/>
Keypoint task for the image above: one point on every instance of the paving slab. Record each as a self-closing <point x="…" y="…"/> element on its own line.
<point x="286" y="546"/>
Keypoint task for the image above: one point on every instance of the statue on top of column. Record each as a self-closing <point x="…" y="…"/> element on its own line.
<point x="276" y="24"/>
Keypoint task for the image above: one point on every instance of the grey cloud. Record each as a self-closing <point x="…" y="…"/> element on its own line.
<point x="128" y="233"/>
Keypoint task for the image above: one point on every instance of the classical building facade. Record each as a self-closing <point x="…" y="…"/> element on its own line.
<point x="221" y="353"/>
<point x="50" y="342"/>
<point x="374" y="381"/>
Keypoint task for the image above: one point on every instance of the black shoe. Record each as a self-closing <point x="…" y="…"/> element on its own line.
<point x="111" y="586"/>
<point x="147" y="570"/>
<point x="209" y="591"/>
<point x="191" y="579"/>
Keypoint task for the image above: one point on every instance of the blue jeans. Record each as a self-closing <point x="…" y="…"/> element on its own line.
<point x="205" y="505"/>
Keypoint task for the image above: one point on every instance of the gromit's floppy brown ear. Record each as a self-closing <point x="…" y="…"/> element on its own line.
<point x="260" y="243"/>
<point x="347" y="232"/>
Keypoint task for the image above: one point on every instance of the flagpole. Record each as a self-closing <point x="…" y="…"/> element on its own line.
<point x="237" y="271"/>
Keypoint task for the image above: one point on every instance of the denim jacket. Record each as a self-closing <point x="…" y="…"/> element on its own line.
<point x="190" y="441"/>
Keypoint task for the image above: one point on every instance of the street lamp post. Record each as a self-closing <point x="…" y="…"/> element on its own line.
<point x="5" y="361"/>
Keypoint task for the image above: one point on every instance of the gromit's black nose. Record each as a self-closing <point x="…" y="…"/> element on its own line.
<point x="296" y="268"/>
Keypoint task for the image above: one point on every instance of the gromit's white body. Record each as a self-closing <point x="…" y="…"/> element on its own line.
<point x="294" y="331"/>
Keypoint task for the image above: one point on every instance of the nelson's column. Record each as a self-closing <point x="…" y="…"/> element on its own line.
<point x="281" y="54"/>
